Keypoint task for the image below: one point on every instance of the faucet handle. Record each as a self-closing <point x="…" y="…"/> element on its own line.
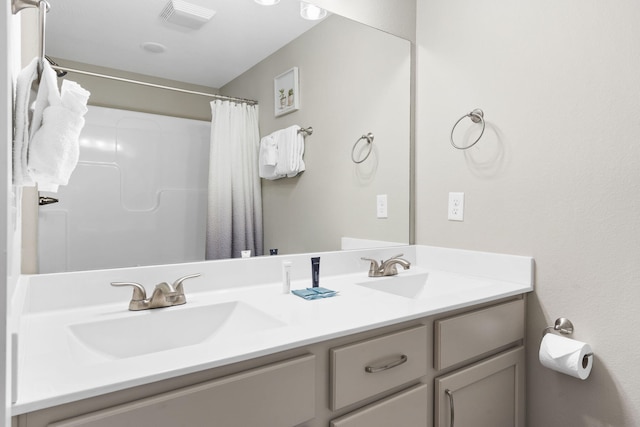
<point x="139" y="293"/>
<point x="177" y="285"/>
<point x="396" y="256"/>
<point x="373" y="261"/>
<point x="374" y="267"/>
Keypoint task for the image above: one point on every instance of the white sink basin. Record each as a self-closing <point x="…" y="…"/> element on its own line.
<point x="429" y="285"/>
<point x="152" y="331"/>
<point x="414" y="286"/>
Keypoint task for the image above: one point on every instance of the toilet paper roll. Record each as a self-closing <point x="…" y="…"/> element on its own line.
<point x="566" y="355"/>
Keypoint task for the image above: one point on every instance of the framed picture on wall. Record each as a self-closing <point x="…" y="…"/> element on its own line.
<point x="286" y="92"/>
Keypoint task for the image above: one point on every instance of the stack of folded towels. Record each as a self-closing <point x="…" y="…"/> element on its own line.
<point x="46" y="144"/>
<point x="281" y="154"/>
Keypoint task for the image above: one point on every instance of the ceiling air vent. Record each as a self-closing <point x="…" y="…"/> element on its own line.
<point x="185" y="14"/>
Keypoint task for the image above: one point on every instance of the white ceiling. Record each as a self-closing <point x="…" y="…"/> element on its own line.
<point x="109" y="33"/>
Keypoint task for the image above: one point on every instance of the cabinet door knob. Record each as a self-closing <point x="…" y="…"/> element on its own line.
<point x="452" y="413"/>
<point x="374" y="369"/>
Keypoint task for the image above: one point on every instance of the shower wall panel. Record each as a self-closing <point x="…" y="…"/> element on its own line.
<point x="137" y="197"/>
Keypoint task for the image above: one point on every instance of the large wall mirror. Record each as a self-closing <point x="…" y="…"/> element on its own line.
<point x="353" y="80"/>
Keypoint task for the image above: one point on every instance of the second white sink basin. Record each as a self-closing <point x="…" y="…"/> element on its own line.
<point x="429" y="285"/>
<point x="152" y="331"/>
<point x="413" y="286"/>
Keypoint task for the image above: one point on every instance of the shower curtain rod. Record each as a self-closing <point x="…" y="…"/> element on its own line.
<point x="138" y="82"/>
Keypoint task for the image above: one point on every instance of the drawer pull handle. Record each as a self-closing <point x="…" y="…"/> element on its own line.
<point x="452" y="413"/>
<point x="374" y="369"/>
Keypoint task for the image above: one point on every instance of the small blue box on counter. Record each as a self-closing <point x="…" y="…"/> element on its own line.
<point x="314" y="293"/>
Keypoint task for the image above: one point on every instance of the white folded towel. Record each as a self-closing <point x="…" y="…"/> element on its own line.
<point x="271" y="150"/>
<point x="268" y="158"/>
<point x="297" y="161"/>
<point x="25" y="95"/>
<point x="284" y="150"/>
<point x="54" y="149"/>
<point x="281" y="154"/>
<point x="290" y="150"/>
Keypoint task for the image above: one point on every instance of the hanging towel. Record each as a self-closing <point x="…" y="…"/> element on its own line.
<point x="54" y="149"/>
<point x="271" y="151"/>
<point x="26" y="87"/>
<point x="268" y="158"/>
<point x="281" y="153"/>
<point x="296" y="161"/>
<point x="290" y="150"/>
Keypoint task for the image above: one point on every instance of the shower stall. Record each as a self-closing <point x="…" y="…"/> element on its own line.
<point x="137" y="197"/>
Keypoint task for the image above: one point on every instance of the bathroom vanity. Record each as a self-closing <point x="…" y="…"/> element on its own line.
<point x="446" y="334"/>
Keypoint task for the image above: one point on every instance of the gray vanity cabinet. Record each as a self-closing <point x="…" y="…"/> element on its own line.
<point x="490" y="392"/>
<point x="487" y="394"/>
<point x="277" y="395"/>
<point x="396" y="375"/>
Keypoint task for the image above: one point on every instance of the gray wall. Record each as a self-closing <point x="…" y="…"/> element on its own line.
<point x="353" y="80"/>
<point x="557" y="175"/>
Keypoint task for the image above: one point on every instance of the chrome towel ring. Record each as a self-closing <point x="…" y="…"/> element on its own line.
<point x="369" y="138"/>
<point x="476" y="116"/>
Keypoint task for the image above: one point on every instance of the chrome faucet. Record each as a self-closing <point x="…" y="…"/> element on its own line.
<point x="388" y="267"/>
<point x="164" y="294"/>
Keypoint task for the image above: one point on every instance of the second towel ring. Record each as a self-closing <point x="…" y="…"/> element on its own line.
<point x="476" y="116"/>
<point x="369" y="138"/>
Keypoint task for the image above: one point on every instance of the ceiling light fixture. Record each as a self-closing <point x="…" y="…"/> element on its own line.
<point x="267" y="2"/>
<point x="153" y="47"/>
<point x="311" y="11"/>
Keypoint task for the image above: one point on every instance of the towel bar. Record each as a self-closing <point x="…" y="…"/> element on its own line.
<point x="476" y="116"/>
<point x="369" y="138"/>
<point x="306" y="131"/>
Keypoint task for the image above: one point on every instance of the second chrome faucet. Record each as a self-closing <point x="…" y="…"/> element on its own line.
<point x="164" y="294"/>
<point x="388" y="267"/>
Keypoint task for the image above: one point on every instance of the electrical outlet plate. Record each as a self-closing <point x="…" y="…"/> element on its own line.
<point x="456" y="207"/>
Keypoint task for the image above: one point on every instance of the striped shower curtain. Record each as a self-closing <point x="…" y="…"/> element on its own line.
<point x="234" y="220"/>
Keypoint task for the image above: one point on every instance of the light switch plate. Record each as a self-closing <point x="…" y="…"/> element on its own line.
<point x="381" y="206"/>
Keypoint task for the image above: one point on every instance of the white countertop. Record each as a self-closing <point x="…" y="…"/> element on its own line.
<point x="55" y="368"/>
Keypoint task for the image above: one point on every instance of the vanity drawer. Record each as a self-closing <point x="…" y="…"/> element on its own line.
<point x="406" y="409"/>
<point x="370" y="367"/>
<point x="463" y="337"/>
<point x="277" y="395"/>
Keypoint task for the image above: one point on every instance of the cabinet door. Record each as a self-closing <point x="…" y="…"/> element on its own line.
<point x="487" y="394"/>
<point x="406" y="409"/>
<point x="277" y="395"/>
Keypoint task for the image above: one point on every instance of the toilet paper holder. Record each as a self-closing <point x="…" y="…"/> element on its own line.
<point x="562" y="325"/>
<point x="565" y="327"/>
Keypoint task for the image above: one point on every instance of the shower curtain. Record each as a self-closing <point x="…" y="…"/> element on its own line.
<point x="234" y="221"/>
